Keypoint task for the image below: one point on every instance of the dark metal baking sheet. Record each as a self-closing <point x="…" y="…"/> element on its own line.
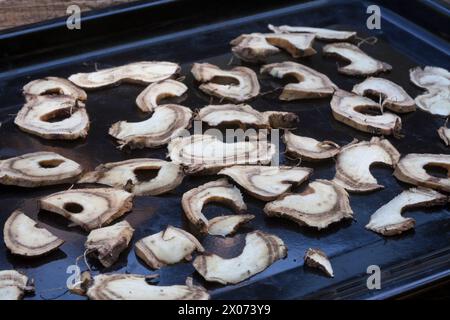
<point x="408" y="261"/>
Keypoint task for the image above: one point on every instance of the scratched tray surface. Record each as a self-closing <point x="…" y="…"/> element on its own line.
<point x="350" y="247"/>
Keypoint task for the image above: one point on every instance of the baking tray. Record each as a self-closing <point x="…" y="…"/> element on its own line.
<point x="158" y="31"/>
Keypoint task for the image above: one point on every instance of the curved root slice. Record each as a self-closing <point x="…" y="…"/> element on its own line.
<point x="354" y="161"/>
<point x="444" y="134"/>
<point x="89" y="208"/>
<point x="217" y="191"/>
<point x="430" y="77"/>
<point x="125" y="175"/>
<point x="321" y="204"/>
<point x="267" y="183"/>
<point x="247" y="86"/>
<point x="321" y="34"/>
<point x="308" y="148"/>
<point x="388" y="219"/>
<point x="361" y="64"/>
<point x="54" y="85"/>
<point x="167" y="247"/>
<point x="436" y="101"/>
<point x="260" y="251"/>
<point x="23" y="237"/>
<point x="40" y="116"/>
<point x="311" y="83"/>
<point x="167" y="121"/>
<point x="13" y="285"/>
<point x="107" y="243"/>
<point x="394" y="97"/>
<point x="316" y="258"/>
<point x="411" y="169"/>
<point x="137" y="287"/>
<point x="207" y="155"/>
<point x="227" y="225"/>
<point x="243" y="115"/>
<point x="149" y="99"/>
<point x="139" y="72"/>
<point x="38" y="169"/>
<point x="349" y="108"/>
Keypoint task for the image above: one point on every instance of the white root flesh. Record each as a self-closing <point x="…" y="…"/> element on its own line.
<point x="444" y="134"/>
<point x="228" y="225"/>
<point x="430" y="77"/>
<point x="320" y="33"/>
<point x="435" y="101"/>
<point x="13" y="285"/>
<point x="309" y="149"/>
<point x="149" y="99"/>
<point x="53" y="85"/>
<point x="316" y="258"/>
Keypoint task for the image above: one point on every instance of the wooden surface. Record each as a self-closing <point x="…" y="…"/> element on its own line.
<point x="20" y="12"/>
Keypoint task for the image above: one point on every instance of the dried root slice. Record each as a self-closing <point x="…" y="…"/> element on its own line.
<point x="167" y="121"/>
<point x="321" y="34"/>
<point x="321" y="204"/>
<point x="361" y="64"/>
<point x="244" y="115"/>
<point x="394" y="97"/>
<point x="430" y="77"/>
<point x="13" y="285"/>
<point x="89" y="208"/>
<point x="167" y="247"/>
<point x="137" y="287"/>
<point x="41" y="116"/>
<point x="107" y="243"/>
<point x="23" y="237"/>
<point x="308" y="148"/>
<point x="149" y="99"/>
<point x="209" y="75"/>
<point x="138" y="72"/>
<point x="206" y="154"/>
<point x="80" y="287"/>
<point x="354" y="161"/>
<point x="125" y="175"/>
<point x="316" y="258"/>
<point x="435" y="101"/>
<point x="412" y="169"/>
<point x="53" y="85"/>
<point x="260" y="251"/>
<point x="228" y="225"/>
<point x="388" y="220"/>
<point x="311" y="83"/>
<point x="38" y="169"/>
<point x="352" y="110"/>
<point x="444" y="134"/>
<point x="267" y="183"/>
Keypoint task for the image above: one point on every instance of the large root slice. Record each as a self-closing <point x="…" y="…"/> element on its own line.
<point x="435" y="101"/>
<point x="308" y="148"/>
<point x="267" y="183"/>
<point x="430" y="77"/>
<point x="260" y="251"/>
<point x="321" y="34"/>
<point x="388" y="220"/>
<point x="316" y="258"/>
<point x="89" y="208"/>
<point x="53" y="85"/>
<point x="13" y="285"/>
<point x="444" y="134"/>
<point x="38" y="169"/>
<point x="23" y="237"/>
<point x="149" y="99"/>
<point x="321" y="204"/>
<point x="167" y="247"/>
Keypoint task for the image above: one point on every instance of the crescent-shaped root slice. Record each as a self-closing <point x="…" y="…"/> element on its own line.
<point x="361" y="64"/>
<point x="412" y="169"/>
<point x="217" y="191"/>
<point x="353" y="110"/>
<point x="228" y="225"/>
<point x="261" y="250"/>
<point x="267" y="182"/>
<point x="107" y="243"/>
<point x="127" y="175"/>
<point x="211" y="76"/>
<point x="244" y="115"/>
<point x="144" y="72"/>
<point x="53" y="85"/>
<point x="38" y="169"/>
<point x="23" y="237"/>
<point x="388" y="219"/>
<point x="430" y="77"/>
<point x="435" y="101"/>
<point x="139" y="287"/>
<point x="394" y="97"/>
<point x="309" y="149"/>
<point x="311" y="83"/>
<point x="167" y="247"/>
<point x="149" y="99"/>
<point x="321" y="204"/>
<point x="444" y="134"/>
<point x="354" y="161"/>
<point x="89" y="208"/>
<point x="206" y="154"/>
<point x="13" y="285"/>
<point x="316" y="258"/>
<point x="166" y="122"/>
<point x="320" y="33"/>
<point x="54" y="117"/>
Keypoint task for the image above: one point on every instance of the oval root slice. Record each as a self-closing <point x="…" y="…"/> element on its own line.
<point x="53" y="85"/>
<point x="430" y="77"/>
<point x="149" y="99"/>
